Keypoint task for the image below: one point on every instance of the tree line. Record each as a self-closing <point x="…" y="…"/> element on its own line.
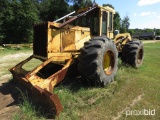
<point x="18" y="16"/>
<point x="145" y="30"/>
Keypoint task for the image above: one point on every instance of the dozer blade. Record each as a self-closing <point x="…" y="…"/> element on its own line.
<point x="41" y="88"/>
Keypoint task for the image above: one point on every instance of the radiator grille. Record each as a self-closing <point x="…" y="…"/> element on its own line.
<point x="40" y="39"/>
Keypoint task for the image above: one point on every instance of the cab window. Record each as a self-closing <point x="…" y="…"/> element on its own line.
<point x="90" y="20"/>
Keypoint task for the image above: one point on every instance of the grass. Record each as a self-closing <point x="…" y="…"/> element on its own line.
<point x="8" y="59"/>
<point x="9" y="51"/>
<point x="84" y="102"/>
<point x="28" y="112"/>
<point x="106" y="103"/>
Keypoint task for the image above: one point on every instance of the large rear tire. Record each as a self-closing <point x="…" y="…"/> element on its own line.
<point x="133" y="53"/>
<point x="98" y="61"/>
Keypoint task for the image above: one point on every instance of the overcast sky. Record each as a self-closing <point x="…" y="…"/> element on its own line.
<point x="142" y="13"/>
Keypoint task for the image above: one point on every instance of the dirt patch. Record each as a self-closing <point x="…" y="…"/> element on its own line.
<point x="14" y="56"/>
<point x="9" y="106"/>
<point x="6" y="76"/>
<point x="151" y="41"/>
<point x="8" y="112"/>
<point x="134" y="101"/>
<point x="8" y="93"/>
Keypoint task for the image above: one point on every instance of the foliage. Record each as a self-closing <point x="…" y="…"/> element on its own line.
<point x="135" y="31"/>
<point x="17" y="18"/>
<point x="117" y="21"/>
<point x="125" y="24"/>
<point x="108" y="5"/>
<point x="81" y="3"/>
<point x="131" y="31"/>
<point x="50" y="10"/>
<point x="157" y="31"/>
<point x="28" y="110"/>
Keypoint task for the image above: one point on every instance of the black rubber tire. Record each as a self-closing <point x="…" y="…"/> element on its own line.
<point x="91" y="61"/>
<point x="133" y="53"/>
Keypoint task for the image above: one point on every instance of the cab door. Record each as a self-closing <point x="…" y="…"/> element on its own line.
<point x="104" y="23"/>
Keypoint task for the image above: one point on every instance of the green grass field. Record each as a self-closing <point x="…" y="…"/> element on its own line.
<point x="133" y="90"/>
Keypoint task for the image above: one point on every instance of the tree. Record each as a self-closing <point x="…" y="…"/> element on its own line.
<point x="131" y="31"/>
<point x="53" y="9"/>
<point x="108" y="5"/>
<point x="26" y="17"/>
<point x="6" y="17"/>
<point x="125" y="24"/>
<point x="80" y="3"/>
<point x="157" y="31"/>
<point x="117" y="21"/>
<point x="17" y="18"/>
<point x="148" y="30"/>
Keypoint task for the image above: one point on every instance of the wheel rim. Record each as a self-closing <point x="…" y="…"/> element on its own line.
<point x="140" y="56"/>
<point x="108" y="62"/>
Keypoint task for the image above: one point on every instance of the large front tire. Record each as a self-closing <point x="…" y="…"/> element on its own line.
<point x="98" y="61"/>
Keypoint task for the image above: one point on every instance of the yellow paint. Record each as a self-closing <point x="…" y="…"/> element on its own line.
<point x="106" y="62"/>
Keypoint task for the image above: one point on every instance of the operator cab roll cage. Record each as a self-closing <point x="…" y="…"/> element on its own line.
<point x="87" y="18"/>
